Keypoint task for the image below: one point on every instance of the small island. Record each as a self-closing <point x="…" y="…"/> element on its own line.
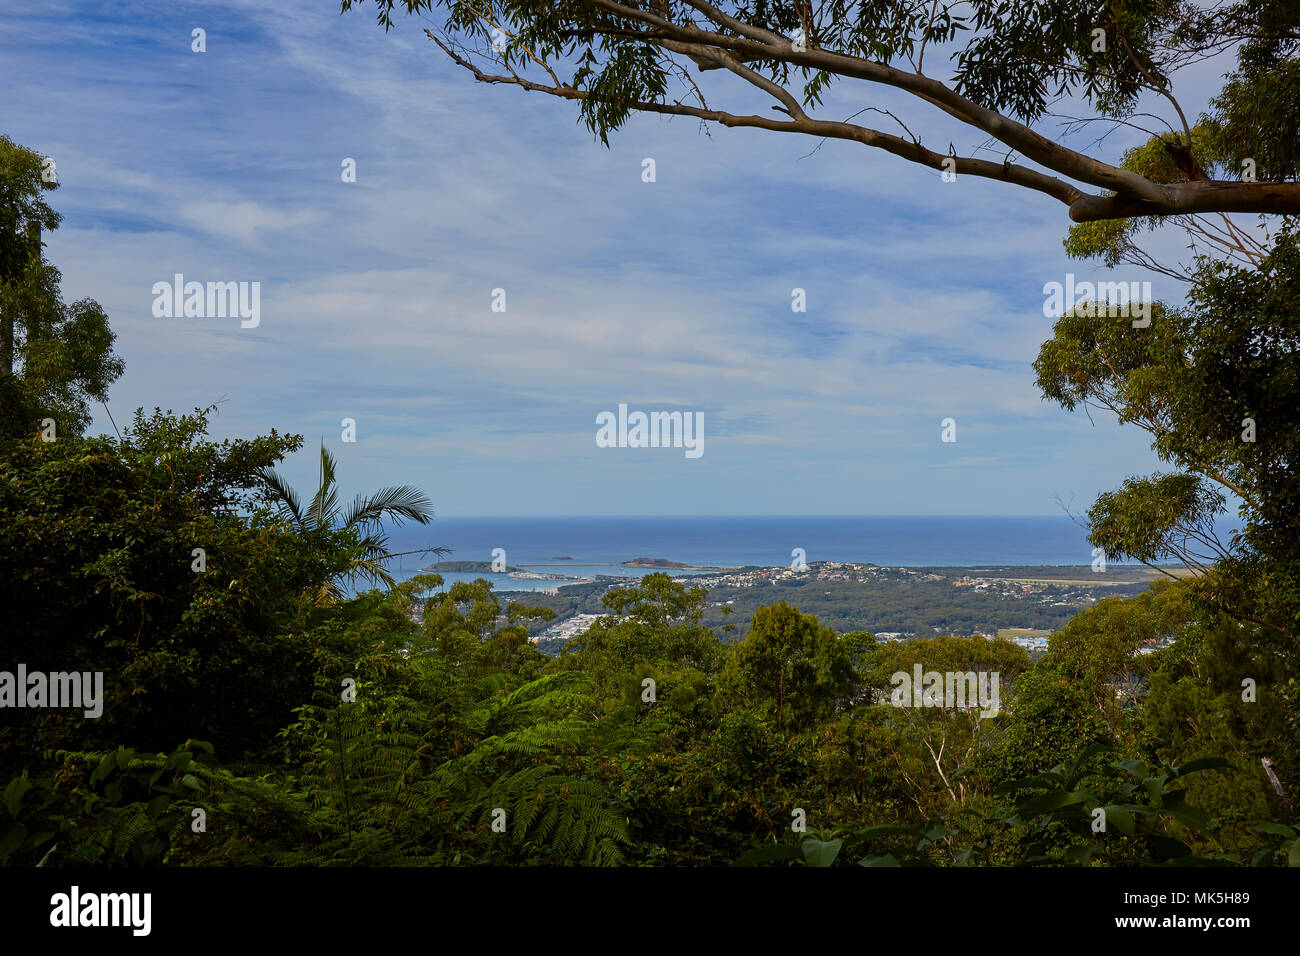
<point x="463" y="566"/>
<point x="653" y="563"/>
<point x="485" y="567"/>
<point x="561" y="557"/>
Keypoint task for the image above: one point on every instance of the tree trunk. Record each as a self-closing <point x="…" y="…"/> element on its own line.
<point x="6" y="341"/>
<point x="7" y="317"/>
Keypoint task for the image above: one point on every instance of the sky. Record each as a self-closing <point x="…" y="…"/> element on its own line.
<point x="924" y="299"/>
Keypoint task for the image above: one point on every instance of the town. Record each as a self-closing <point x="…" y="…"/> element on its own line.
<point x="1023" y="605"/>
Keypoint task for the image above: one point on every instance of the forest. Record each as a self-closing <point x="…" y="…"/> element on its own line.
<point x="256" y="715"/>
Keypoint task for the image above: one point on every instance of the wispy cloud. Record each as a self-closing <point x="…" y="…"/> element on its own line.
<point x="923" y="299"/>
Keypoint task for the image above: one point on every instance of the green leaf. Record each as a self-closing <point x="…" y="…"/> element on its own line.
<point x="770" y="854"/>
<point x="1048" y="779"/>
<point x="1277" y="829"/>
<point x="179" y="760"/>
<point x="1166" y="848"/>
<point x="106" y="766"/>
<point x="1121" y="818"/>
<point x="13" y="838"/>
<point x="1134" y="767"/>
<point x="1203" y="763"/>
<point x="1155" y="786"/>
<point x="192" y="782"/>
<point x="817" y="853"/>
<point x="1048" y="802"/>
<point x="1080" y="854"/>
<point x="1194" y="817"/>
<point x="884" y="830"/>
<point x="14" y="794"/>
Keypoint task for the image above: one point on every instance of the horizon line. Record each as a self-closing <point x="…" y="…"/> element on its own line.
<point x="819" y="515"/>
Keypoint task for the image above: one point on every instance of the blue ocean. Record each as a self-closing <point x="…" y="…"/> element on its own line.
<point x="598" y="545"/>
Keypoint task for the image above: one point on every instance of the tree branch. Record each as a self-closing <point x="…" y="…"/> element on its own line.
<point x="1132" y="195"/>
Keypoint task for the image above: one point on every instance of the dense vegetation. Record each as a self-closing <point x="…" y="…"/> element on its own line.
<point x="343" y="733"/>
<point x="315" y="731"/>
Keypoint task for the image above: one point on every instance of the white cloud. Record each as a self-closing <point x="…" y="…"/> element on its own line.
<point x="923" y="298"/>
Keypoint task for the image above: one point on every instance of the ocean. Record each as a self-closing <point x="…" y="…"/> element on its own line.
<point x="597" y="545"/>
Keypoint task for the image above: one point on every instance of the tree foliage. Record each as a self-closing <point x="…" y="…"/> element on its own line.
<point x="55" y="358"/>
<point x="1006" y="65"/>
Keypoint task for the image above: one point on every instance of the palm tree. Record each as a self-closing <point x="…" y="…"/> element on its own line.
<point x="366" y="514"/>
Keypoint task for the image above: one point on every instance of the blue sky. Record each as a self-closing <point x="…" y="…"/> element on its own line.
<point x="924" y="298"/>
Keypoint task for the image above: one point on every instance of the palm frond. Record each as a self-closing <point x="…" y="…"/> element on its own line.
<point x="324" y="504"/>
<point x="288" y="504"/>
<point x="365" y="514"/>
<point x="400" y="502"/>
<point x="372" y="571"/>
<point x="327" y="594"/>
<point x="374" y="547"/>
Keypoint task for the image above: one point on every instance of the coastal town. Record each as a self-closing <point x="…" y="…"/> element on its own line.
<point x="1022" y="602"/>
